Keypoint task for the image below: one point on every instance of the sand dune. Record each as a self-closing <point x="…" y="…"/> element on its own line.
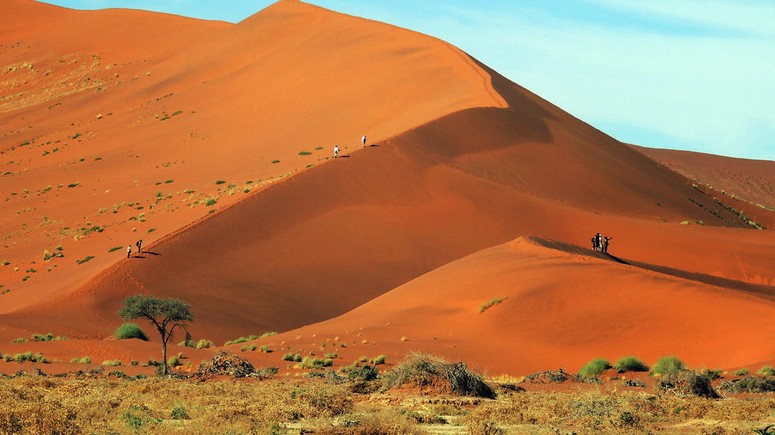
<point x="414" y="230"/>
<point x="558" y="306"/>
<point x="752" y="181"/>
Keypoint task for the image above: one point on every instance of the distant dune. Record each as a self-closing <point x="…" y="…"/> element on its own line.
<point x="212" y="142"/>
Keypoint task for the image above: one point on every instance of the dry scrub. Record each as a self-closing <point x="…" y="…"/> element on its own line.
<point x="331" y="405"/>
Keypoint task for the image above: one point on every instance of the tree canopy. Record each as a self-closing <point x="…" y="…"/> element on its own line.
<point x="164" y="314"/>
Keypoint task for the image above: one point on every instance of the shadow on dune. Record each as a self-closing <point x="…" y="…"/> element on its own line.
<point x="763" y="291"/>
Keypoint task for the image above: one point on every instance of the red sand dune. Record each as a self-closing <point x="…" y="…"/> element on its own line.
<point x="752" y="181"/>
<point x="464" y="162"/>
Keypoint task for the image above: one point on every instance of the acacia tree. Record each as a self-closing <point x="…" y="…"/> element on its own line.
<point x="164" y="314"/>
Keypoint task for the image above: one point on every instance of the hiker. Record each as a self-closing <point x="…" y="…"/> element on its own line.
<point x="336" y="151"/>
<point x="139" y="246"/>
<point x="606" y="239"/>
<point x="129" y="251"/>
<point x="363" y="141"/>
<point x="598" y="241"/>
<point x="594" y="243"/>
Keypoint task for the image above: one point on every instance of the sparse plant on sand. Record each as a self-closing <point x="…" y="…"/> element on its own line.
<point x="128" y="331"/>
<point x="668" y="365"/>
<point x="85" y="259"/>
<point x="594" y="368"/>
<point x="741" y="372"/>
<point x="164" y="314"/>
<point x="766" y="371"/>
<point x="630" y="364"/>
<point x="492" y="302"/>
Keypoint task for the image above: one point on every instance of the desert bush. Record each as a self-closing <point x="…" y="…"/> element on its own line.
<point x="251" y="348"/>
<point x="361" y="373"/>
<point x="47" y="337"/>
<point x="432" y="372"/>
<point x="687" y="382"/>
<point x="82" y="360"/>
<point x="40" y="358"/>
<point x="21" y="357"/>
<point x="594" y="368"/>
<point x="630" y="364"/>
<point x="264" y="349"/>
<point x="314" y="363"/>
<point x="204" y="344"/>
<point x="668" y="365"/>
<point x="489" y="304"/>
<point x="766" y="371"/>
<point x="179" y="413"/>
<point x="378" y="360"/>
<point x="749" y="384"/>
<point x="741" y="372"/>
<point x="19" y="340"/>
<point x="712" y="374"/>
<point x="268" y="334"/>
<point x="174" y="361"/>
<point x="128" y="331"/>
<point x="112" y="362"/>
<point x="240" y="340"/>
<point x="293" y="357"/>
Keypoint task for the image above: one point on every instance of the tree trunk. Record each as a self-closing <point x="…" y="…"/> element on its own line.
<point x="164" y="354"/>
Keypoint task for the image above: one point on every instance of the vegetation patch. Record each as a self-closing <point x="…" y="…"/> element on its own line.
<point x="668" y="365"/>
<point x="492" y="302"/>
<point x="428" y="372"/>
<point x="688" y="382"/>
<point x="594" y="368"/>
<point x="130" y="330"/>
<point x="85" y="259"/>
<point x="630" y="364"/>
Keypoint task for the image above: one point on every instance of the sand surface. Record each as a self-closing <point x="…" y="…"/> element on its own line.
<point x="213" y="142"/>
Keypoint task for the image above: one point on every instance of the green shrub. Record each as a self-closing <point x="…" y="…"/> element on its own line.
<point x="378" y="360"/>
<point x="741" y="372"/>
<point x="314" y="363"/>
<point x="268" y="334"/>
<point x="112" y="362"/>
<point x="21" y="357"/>
<point x="687" y="382"/>
<point x="594" y="368"/>
<point x="766" y="371"/>
<point x="179" y="413"/>
<point x="668" y="365"/>
<point x="19" y="340"/>
<point x="82" y="360"/>
<point x="494" y="301"/>
<point x="630" y="364"/>
<point x="712" y="374"/>
<point x="85" y="259"/>
<point x="210" y="202"/>
<point x="40" y="358"/>
<point x="304" y="153"/>
<point x="293" y="357"/>
<point x="264" y="349"/>
<point x="128" y="331"/>
<point x="251" y="348"/>
<point x="240" y="340"/>
<point x="220" y="182"/>
<point x="174" y="361"/>
<point x="362" y="373"/>
<point x="204" y="344"/>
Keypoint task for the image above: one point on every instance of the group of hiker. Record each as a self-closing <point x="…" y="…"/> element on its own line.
<point x="600" y="243"/>
<point x="336" y="147"/>
<point x="139" y="245"/>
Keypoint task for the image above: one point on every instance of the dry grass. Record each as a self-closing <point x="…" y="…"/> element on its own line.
<point x="37" y="404"/>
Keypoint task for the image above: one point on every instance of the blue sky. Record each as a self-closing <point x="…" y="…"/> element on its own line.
<point x="684" y="74"/>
